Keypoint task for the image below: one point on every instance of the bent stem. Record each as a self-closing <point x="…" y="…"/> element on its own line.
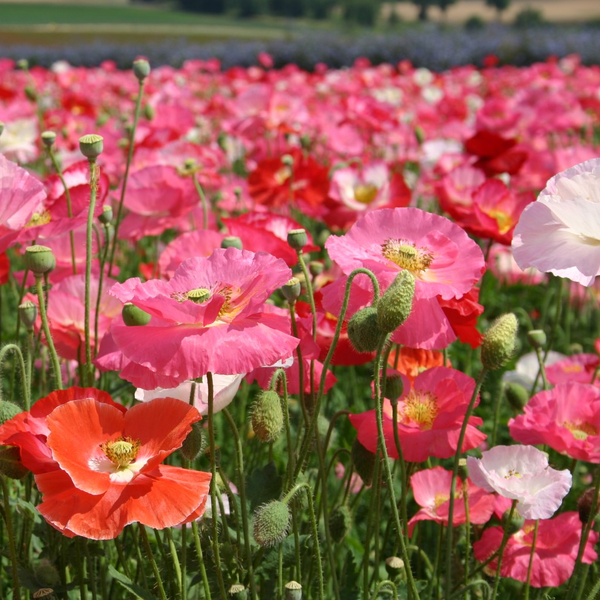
<point x="46" y="327"/>
<point x="461" y="439"/>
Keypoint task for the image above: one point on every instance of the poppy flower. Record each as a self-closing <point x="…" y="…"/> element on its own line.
<point x="109" y="468"/>
<point x="431" y="412"/>
<point x="555" y="552"/>
<point x="210" y="316"/>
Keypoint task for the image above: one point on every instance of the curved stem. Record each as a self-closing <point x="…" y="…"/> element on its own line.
<point x="46" y="327"/>
<point x="89" y="368"/>
<point x="381" y="585"/>
<point x="11" y="539"/>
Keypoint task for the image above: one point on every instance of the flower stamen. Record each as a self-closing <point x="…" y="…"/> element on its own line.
<point x="407" y="256"/>
<point x="122" y="451"/>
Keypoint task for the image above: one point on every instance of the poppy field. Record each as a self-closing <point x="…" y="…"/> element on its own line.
<point x="269" y="333"/>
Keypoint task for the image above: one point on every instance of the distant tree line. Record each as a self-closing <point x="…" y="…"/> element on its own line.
<point x="365" y="12"/>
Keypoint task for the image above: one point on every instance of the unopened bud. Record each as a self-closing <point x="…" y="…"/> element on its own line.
<point x="584" y="505"/>
<point x="293" y="591"/>
<point x="8" y="410"/>
<point x="10" y="463"/>
<point x="395" y="306"/>
<point x="232" y="241"/>
<point x="516" y="395"/>
<point x="91" y="145"/>
<point x="315" y="267"/>
<point x="149" y="112"/>
<point x="39" y="259"/>
<point x="537" y="338"/>
<point x="46" y="573"/>
<point x="48" y="138"/>
<point x="141" y="69"/>
<point x="291" y="290"/>
<point x="238" y="592"/>
<point x="106" y="216"/>
<point x="297" y="238"/>
<point x="340" y="522"/>
<point x="267" y="416"/>
<point x="272" y="523"/>
<point x="498" y="344"/>
<point x="363" y="461"/>
<point x="28" y="313"/>
<point x="515" y="524"/>
<point x="194" y="443"/>
<point x="134" y="316"/>
<point x="363" y="330"/>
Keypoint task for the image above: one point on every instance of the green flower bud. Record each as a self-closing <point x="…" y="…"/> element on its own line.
<point x="272" y="523"/>
<point x="8" y="410"/>
<point x="363" y="461"/>
<point x="315" y="267"/>
<point x="46" y="573"/>
<point x="267" y="416"/>
<point x="91" y="145"/>
<point x="10" y="463"/>
<point x="149" y="112"/>
<point x="28" y="312"/>
<point x="102" y="119"/>
<point x="48" y="138"/>
<point x="363" y="330"/>
<point x="141" y="69"/>
<point x="515" y="524"/>
<point x="238" y="591"/>
<point x="106" y="216"/>
<point x="297" y="238"/>
<point x="340" y="522"/>
<point x="232" y="241"/>
<point x="293" y="590"/>
<point x="394" y="386"/>
<point x="516" y="395"/>
<point x="395" y="305"/>
<point x="39" y="259"/>
<point x="134" y="316"/>
<point x="291" y="290"/>
<point x="498" y="344"/>
<point x="537" y="338"/>
<point x="194" y="443"/>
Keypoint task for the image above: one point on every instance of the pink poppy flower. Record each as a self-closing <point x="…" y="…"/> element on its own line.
<point x="431" y="412"/>
<point x="21" y="196"/>
<point x="555" y="553"/>
<point x="431" y="489"/>
<point x="521" y="473"/>
<point x="559" y="232"/>
<point x="566" y="418"/>
<point x="209" y="317"/>
<point x="579" y="367"/>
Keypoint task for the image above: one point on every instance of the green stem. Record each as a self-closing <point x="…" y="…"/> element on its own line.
<point x="203" y="575"/>
<point x="531" y="557"/>
<point x="505" y="537"/>
<point x="103" y="256"/>
<point x="150" y="554"/>
<point x="381" y="585"/>
<point x="46" y="327"/>
<point x="280" y="374"/>
<point x="11" y="540"/>
<point x="24" y="379"/>
<point x="203" y="202"/>
<point x="89" y="369"/>
<point x="176" y="563"/>
<point x="461" y="439"/>
<point x="136" y="117"/>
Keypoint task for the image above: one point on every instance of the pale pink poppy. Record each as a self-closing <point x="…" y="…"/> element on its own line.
<point x="521" y="473"/>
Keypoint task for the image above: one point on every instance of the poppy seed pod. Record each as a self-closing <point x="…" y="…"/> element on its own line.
<point x="291" y="290"/>
<point x="293" y="591"/>
<point x="537" y="338"/>
<point x="134" y="316"/>
<point x="232" y="241"/>
<point x="28" y="312"/>
<point x="515" y="524"/>
<point x="106" y="216"/>
<point x="297" y="238"/>
<point x="48" y="138"/>
<point x="141" y="69"/>
<point x="39" y="259"/>
<point x="91" y="145"/>
<point x="498" y="344"/>
<point x="238" y="592"/>
<point x="272" y="523"/>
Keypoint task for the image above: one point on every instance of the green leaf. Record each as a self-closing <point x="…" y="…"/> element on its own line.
<point x="135" y="589"/>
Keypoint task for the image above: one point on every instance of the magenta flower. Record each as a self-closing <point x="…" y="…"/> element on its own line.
<point x="209" y="317"/>
<point x="521" y="473"/>
<point x="566" y="418"/>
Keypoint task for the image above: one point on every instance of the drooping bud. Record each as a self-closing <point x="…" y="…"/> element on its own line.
<point x="537" y="338"/>
<point x="141" y="69"/>
<point x="584" y="505"/>
<point x="297" y="238"/>
<point x="515" y="524"/>
<point x="10" y="463"/>
<point x="363" y="461"/>
<point x="516" y="395"/>
<point x="194" y="443"/>
<point x="106" y="216"/>
<point x="8" y="410"/>
<point x="272" y="523"/>
<point x="395" y="306"/>
<point x="46" y="573"/>
<point x="340" y="522"/>
<point x="394" y="566"/>
<point x="238" y="592"/>
<point x="232" y="241"/>
<point x="134" y="316"/>
<point x="293" y="591"/>
<point x="91" y="145"/>
<point x="363" y="330"/>
<point x="39" y="259"/>
<point x="28" y="313"/>
<point x="48" y="138"/>
<point x="291" y="290"/>
<point x="267" y="416"/>
<point x="498" y="344"/>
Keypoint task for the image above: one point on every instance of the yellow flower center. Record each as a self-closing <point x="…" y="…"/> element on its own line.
<point x="440" y="499"/>
<point x="40" y="219"/>
<point x="283" y="174"/>
<point x="421" y="408"/>
<point x="122" y="451"/>
<point x="503" y="219"/>
<point x="365" y="193"/>
<point x="580" y="431"/>
<point x="407" y="256"/>
<point x="512" y="473"/>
